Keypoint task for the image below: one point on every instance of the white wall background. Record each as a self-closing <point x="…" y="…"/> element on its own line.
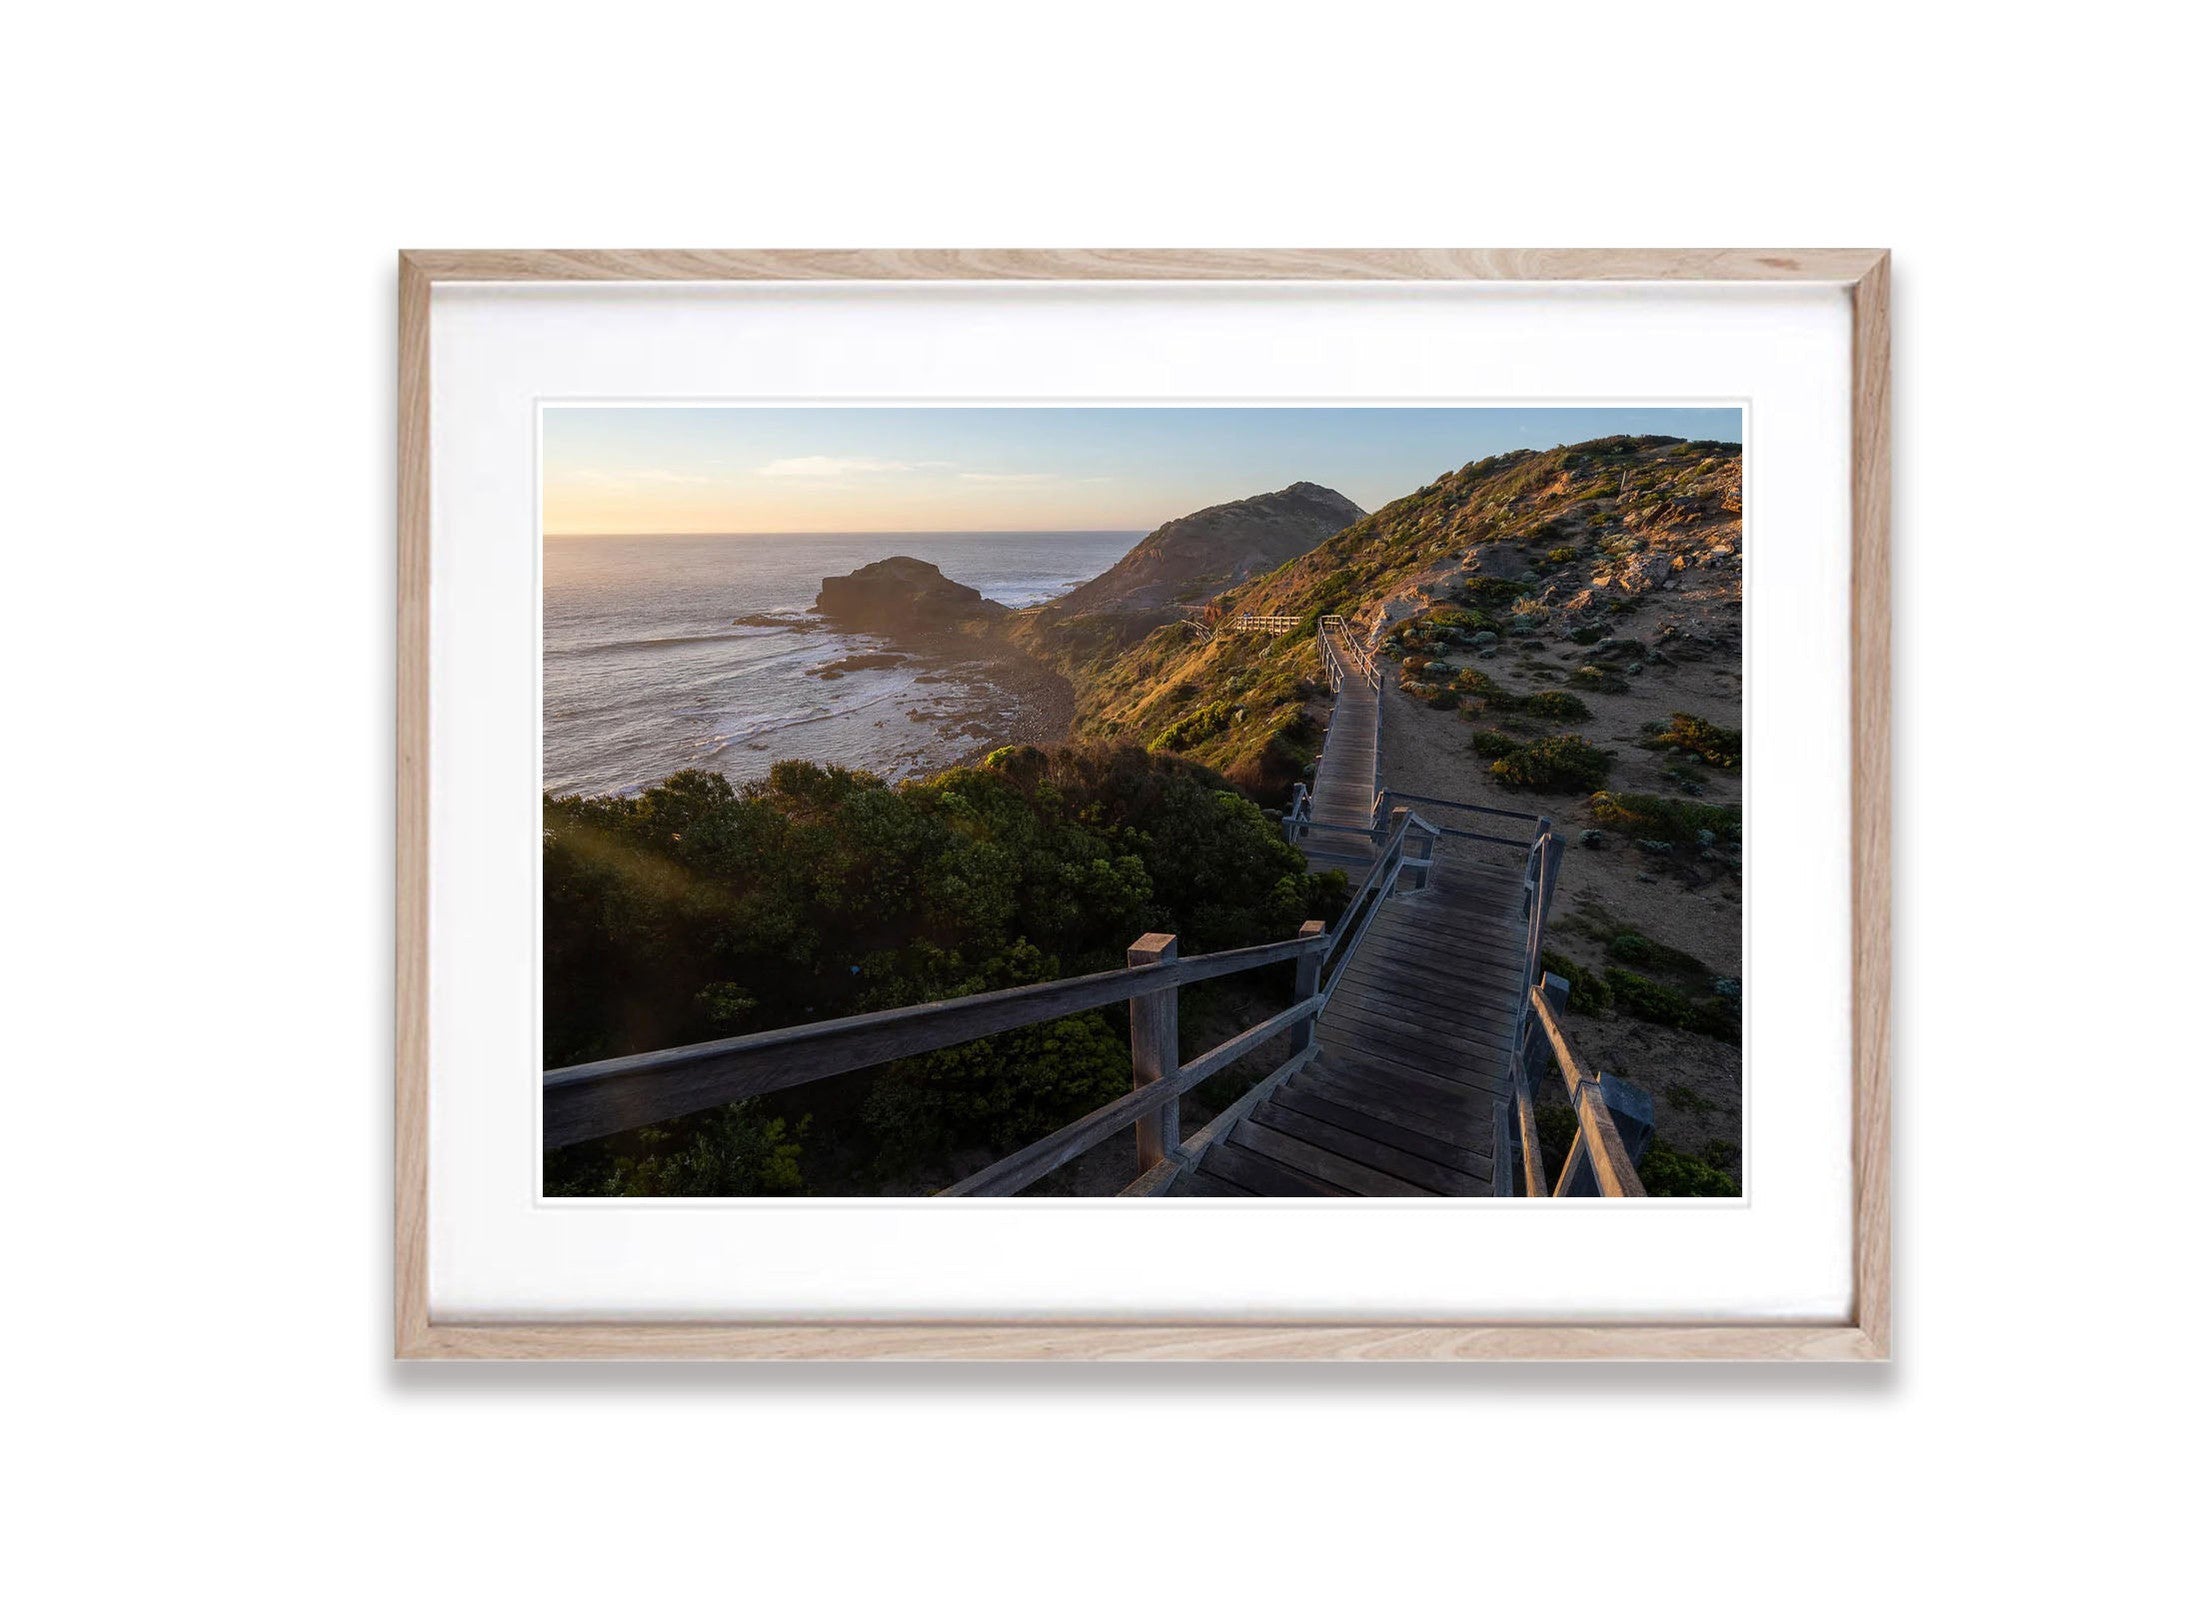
<point x="200" y="361"/>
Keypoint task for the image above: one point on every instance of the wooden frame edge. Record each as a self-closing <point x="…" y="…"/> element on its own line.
<point x="414" y="1334"/>
<point x="1145" y="1341"/>
<point x="1866" y="1338"/>
<point x="1118" y="265"/>
<point x="1870" y="844"/>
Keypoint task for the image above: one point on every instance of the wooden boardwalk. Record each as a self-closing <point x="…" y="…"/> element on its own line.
<point x="1416" y="1038"/>
<point x="1343" y="784"/>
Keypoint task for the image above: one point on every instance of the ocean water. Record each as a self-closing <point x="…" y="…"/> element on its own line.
<point x="664" y="652"/>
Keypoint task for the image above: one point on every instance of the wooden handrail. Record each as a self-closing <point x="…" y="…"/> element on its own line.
<point x="1597" y="1141"/>
<point x="1014" y="1173"/>
<point x="1387" y="867"/>
<point x="611" y="1096"/>
<point x="1461" y="805"/>
<point x="1375" y="884"/>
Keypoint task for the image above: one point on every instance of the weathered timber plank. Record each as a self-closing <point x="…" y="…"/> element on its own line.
<point x="1350" y="1176"/>
<point x="1261" y="1176"/>
<point x="1153" y="1051"/>
<point x="1372" y="1153"/>
<point x="1442" y="1017"/>
<point x="1412" y="1140"/>
<point x="1429" y="1001"/>
<point x="1459" y="1121"/>
<point x="1486" y="1066"/>
<point x="1205" y="1185"/>
<point x="1440" y="1124"/>
<point x="1470" y="966"/>
<point x="1405" y="1078"/>
<point x="1455" y="1047"/>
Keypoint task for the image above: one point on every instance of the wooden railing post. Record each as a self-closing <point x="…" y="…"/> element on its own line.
<point x="1153" y="1051"/>
<point x="1306" y="982"/>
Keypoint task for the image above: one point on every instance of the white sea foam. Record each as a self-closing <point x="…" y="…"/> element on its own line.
<point x="651" y="661"/>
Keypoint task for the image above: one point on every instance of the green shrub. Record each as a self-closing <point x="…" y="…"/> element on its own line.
<point x="1472" y="680"/>
<point x="1718" y="746"/>
<point x="1673" y="821"/>
<point x="1654" y="1002"/>
<point x="1553" y="705"/>
<point x="1639" y="950"/>
<point x="1651" y="1001"/>
<point x="1565" y="764"/>
<point x="1558" y="555"/>
<point x="999" y="1093"/>
<point x="1489" y="744"/>
<point x="1490" y="593"/>
<point x="1195" y="728"/>
<point x="735" y="1151"/>
<point x="1591" y="995"/>
<point x="1598" y="681"/>
<point x="1668" y="1174"/>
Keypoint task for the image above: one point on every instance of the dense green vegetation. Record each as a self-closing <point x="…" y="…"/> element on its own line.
<point x="698" y="910"/>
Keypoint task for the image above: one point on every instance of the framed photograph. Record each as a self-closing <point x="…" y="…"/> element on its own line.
<point x="1143" y="804"/>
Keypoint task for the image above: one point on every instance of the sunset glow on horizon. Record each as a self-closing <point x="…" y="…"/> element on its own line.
<point x="937" y="469"/>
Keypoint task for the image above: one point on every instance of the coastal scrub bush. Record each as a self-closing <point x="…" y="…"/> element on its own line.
<point x="1489" y="744"/>
<point x="1553" y="705"/>
<point x="1654" y="1002"/>
<point x="699" y="909"/>
<point x="1718" y="746"/>
<point x="999" y="1092"/>
<point x="1195" y="727"/>
<point x="1473" y="680"/>
<point x="1564" y="764"/>
<point x="1671" y="821"/>
<point x="1598" y="681"/>
<point x="1590" y="995"/>
<point x="1490" y="594"/>
<point x="1639" y="950"/>
<point x="734" y="1151"/>
<point x="1668" y="1174"/>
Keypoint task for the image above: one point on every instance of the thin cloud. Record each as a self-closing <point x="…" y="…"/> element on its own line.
<point x="1007" y="477"/>
<point x="595" y="477"/>
<point x="841" y="466"/>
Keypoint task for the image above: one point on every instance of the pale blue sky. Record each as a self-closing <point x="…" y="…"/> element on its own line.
<point x="931" y="469"/>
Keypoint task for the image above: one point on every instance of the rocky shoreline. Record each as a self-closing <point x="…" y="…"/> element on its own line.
<point x="946" y="629"/>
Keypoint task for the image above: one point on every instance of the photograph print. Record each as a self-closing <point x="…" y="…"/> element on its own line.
<point x="1190" y="802"/>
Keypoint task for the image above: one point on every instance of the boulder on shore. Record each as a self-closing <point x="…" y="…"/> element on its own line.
<point x="902" y="593"/>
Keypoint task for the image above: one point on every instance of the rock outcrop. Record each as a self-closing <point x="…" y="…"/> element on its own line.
<point x="902" y="595"/>
<point x="1192" y="559"/>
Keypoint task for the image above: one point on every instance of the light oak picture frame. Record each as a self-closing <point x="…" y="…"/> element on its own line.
<point x="1862" y="1335"/>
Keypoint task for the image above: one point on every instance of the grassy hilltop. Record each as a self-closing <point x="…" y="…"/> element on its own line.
<point x="1530" y="547"/>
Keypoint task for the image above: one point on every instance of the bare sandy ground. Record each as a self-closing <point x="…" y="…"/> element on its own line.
<point x="1695" y="1081"/>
